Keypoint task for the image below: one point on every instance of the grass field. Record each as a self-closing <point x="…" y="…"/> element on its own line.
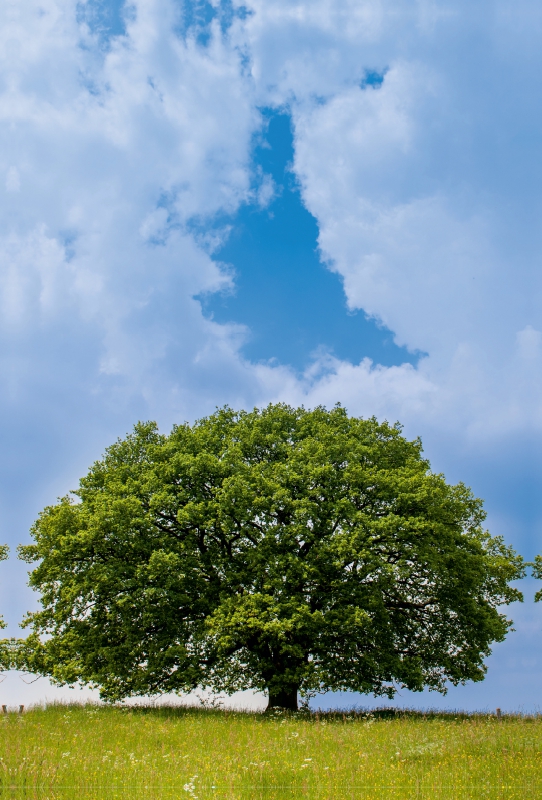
<point x="93" y="752"/>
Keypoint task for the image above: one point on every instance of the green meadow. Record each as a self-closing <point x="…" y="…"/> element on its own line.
<point x="69" y="751"/>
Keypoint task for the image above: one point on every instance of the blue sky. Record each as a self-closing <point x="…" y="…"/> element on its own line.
<point x="292" y="305"/>
<point x="244" y="202"/>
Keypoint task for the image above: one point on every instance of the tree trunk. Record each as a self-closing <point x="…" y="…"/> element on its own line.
<point x="285" y="698"/>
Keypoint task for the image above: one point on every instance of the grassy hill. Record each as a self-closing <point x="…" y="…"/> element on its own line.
<point x="100" y="752"/>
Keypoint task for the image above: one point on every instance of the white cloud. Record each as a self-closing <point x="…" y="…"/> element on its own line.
<point x="13" y="181"/>
<point x="423" y="243"/>
<point x="34" y="279"/>
<point x="529" y="341"/>
<point x="108" y="153"/>
<point x="365" y="389"/>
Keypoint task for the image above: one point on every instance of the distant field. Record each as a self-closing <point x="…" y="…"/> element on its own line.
<point x="92" y="752"/>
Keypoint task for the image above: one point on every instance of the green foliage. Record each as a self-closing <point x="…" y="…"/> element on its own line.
<point x="537" y="573"/>
<point x="280" y="549"/>
<point x="6" y="649"/>
<point x="4" y="554"/>
<point x="101" y="753"/>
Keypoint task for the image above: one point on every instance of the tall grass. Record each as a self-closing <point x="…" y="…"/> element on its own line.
<point x="93" y="752"/>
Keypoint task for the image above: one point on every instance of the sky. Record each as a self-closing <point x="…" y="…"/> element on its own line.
<point x="291" y="200"/>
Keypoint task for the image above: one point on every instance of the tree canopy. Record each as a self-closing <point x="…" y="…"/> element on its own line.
<point x="284" y="550"/>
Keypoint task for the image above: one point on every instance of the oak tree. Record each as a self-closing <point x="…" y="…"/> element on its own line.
<point x="283" y="550"/>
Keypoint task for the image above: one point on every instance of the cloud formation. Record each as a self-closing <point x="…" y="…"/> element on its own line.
<point x="110" y="153"/>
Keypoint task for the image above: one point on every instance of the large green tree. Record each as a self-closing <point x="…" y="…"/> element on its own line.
<point x="281" y="549"/>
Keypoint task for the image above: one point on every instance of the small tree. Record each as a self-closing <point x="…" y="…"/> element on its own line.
<point x="537" y="573"/>
<point x="6" y="649"/>
<point x="282" y="550"/>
